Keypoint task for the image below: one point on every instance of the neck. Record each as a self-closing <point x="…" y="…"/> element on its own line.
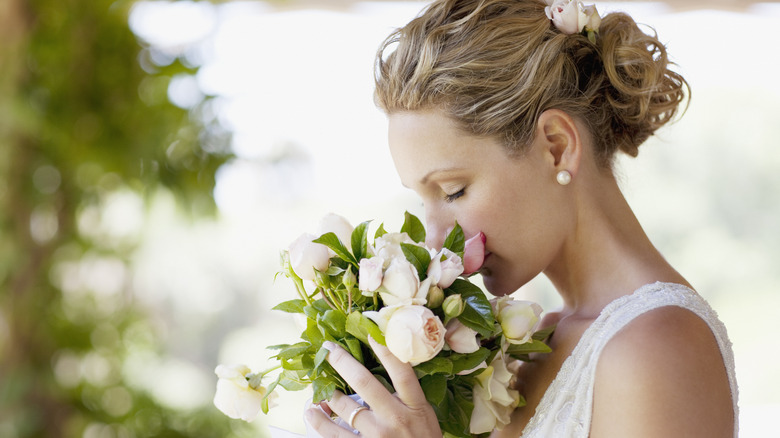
<point x="607" y="254"/>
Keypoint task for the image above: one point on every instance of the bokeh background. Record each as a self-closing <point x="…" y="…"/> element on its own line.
<point x="156" y="156"/>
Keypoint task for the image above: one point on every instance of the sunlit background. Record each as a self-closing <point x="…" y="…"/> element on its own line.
<point x="124" y="282"/>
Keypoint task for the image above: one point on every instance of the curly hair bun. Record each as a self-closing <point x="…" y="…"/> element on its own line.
<point x="494" y="66"/>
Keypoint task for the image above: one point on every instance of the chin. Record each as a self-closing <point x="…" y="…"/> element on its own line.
<point x="495" y="286"/>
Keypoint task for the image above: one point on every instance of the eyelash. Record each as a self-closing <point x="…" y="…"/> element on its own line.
<point x="456" y="195"/>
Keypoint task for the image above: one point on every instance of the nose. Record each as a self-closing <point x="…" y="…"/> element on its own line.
<point x="438" y="226"/>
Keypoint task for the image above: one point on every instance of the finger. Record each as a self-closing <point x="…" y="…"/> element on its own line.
<point x="324" y="425"/>
<point x="402" y="374"/>
<point x="344" y="407"/>
<point x="359" y="378"/>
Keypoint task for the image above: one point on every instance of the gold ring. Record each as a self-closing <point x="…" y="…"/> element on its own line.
<point x="351" y="421"/>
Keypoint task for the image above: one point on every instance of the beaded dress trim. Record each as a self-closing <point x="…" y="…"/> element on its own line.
<point x="567" y="406"/>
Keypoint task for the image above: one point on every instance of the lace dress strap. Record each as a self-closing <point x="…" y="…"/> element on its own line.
<point x="567" y="406"/>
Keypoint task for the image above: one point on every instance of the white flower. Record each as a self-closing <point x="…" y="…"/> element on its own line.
<point x="414" y="334"/>
<point x="518" y="319"/>
<point x="444" y="268"/>
<point x="388" y="246"/>
<point x="401" y="284"/>
<point x="460" y="338"/>
<point x="235" y="397"/>
<point x="338" y="225"/>
<point x="370" y="273"/>
<point x="571" y="16"/>
<point x="494" y="399"/>
<point x="306" y="256"/>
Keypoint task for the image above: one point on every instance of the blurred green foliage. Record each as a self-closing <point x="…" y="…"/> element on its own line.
<point x="80" y="120"/>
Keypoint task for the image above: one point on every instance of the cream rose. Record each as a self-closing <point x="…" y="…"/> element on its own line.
<point x="571" y="16"/>
<point x="461" y="339"/>
<point x="388" y="246"/>
<point x="519" y="319"/>
<point x="414" y="334"/>
<point x="306" y="256"/>
<point x="494" y="400"/>
<point x="235" y="396"/>
<point x="370" y="273"/>
<point x="444" y="268"/>
<point x="338" y="225"/>
<point x="401" y="284"/>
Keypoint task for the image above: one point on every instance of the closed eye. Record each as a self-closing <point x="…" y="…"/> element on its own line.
<point x="452" y="197"/>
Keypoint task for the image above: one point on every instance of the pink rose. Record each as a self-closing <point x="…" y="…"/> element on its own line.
<point x="414" y="334"/>
<point x="444" y="268"/>
<point x="474" y="253"/>
<point x="460" y="338"/>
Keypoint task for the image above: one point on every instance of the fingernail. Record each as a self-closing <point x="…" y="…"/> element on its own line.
<point x="328" y="345"/>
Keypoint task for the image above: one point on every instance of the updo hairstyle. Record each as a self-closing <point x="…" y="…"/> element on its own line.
<point x="494" y="66"/>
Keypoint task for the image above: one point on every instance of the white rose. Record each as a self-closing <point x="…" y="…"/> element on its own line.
<point x="460" y="338"/>
<point x="234" y="396"/>
<point x="306" y="256"/>
<point x="370" y="273"/>
<point x="401" y="284"/>
<point x="494" y="399"/>
<point x="564" y="15"/>
<point x="414" y="334"/>
<point x="444" y="268"/>
<point x="518" y="319"/>
<point x="388" y="246"/>
<point x="571" y="16"/>
<point x="338" y="225"/>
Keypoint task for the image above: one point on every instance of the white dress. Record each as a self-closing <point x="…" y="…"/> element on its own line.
<point x="567" y="406"/>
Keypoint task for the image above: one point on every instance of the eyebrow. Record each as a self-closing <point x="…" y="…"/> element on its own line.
<point x="424" y="179"/>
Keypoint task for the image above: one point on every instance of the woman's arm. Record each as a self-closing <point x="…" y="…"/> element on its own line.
<point x="405" y="414"/>
<point x="661" y="376"/>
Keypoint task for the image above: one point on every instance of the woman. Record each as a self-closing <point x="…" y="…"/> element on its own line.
<point x="505" y="115"/>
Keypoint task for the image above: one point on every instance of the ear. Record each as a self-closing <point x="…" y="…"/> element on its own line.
<point x="560" y="139"/>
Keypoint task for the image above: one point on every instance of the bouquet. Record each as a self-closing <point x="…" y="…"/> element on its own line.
<point x="415" y="300"/>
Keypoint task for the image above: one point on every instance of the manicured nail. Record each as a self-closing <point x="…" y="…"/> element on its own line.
<point x="328" y="345"/>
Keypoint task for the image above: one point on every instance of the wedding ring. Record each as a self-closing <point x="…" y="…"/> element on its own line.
<point x="351" y="421"/>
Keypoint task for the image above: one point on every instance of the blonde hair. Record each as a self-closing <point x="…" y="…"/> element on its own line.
<point x="494" y="66"/>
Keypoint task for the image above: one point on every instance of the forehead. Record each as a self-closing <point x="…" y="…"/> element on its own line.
<point x="424" y="141"/>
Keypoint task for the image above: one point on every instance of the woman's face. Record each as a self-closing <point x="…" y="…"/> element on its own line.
<point x="473" y="180"/>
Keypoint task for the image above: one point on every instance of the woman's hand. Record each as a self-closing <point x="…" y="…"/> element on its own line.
<point x="404" y="414"/>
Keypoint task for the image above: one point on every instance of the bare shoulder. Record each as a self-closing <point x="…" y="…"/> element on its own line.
<point x="662" y="375"/>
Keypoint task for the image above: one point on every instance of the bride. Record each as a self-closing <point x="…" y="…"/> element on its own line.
<point x="505" y="116"/>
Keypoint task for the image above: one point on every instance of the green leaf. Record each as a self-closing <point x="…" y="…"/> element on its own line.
<point x="435" y="388"/>
<point x="353" y="346"/>
<point x="333" y="322"/>
<point x="361" y="327"/>
<point x="544" y="333"/>
<point x="313" y="332"/>
<point x="323" y="388"/>
<point x="463" y="362"/>
<point x="360" y="240"/>
<point x="264" y="402"/>
<point x="293" y="351"/>
<point x="417" y="256"/>
<point x="292" y="306"/>
<point x="437" y="365"/>
<point x="456" y="241"/>
<point x="380" y="231"/>
<point x="413" y="227"/>
<point x="292" y="384"/>
<point x="320" y="357"/>
<point x="529" y="347"/>
<point x="331" y="241"/>
<point x="478" y="313"/>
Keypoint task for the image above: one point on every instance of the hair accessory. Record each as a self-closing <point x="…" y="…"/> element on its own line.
<point x="563" y="177"/>
<point x="571" y="16"/>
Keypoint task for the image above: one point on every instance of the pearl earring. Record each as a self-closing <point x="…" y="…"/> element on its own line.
<point x="563" y="177"/>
